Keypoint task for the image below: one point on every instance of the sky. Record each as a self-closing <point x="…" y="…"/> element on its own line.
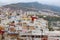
<point x="49" y="2"/>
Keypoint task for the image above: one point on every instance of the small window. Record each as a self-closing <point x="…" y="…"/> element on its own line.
<point x="36" y="26"/>
<point x="18" y="14"/>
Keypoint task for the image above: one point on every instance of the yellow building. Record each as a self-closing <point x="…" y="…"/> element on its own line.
<point x="26" y="18"/>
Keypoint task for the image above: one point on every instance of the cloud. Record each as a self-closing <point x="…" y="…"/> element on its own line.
<point x="50" y="2"/>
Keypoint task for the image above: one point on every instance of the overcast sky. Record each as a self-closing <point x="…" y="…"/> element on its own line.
<point x="49" y="2"/>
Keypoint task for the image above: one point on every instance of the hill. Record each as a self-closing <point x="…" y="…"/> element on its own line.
<point x="35" y="5"/>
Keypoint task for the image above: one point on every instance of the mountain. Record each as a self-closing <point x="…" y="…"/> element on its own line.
<point x="35" y="5"/>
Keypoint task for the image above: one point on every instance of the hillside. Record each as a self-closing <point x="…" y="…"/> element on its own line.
<point x="35" y="5"/>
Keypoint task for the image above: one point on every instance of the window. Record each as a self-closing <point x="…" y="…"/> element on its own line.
<point x="36" y="26"/>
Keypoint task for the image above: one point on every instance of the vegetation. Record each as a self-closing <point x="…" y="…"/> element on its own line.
<point x="50" y="19"/>
<point x="35" y="5"/>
